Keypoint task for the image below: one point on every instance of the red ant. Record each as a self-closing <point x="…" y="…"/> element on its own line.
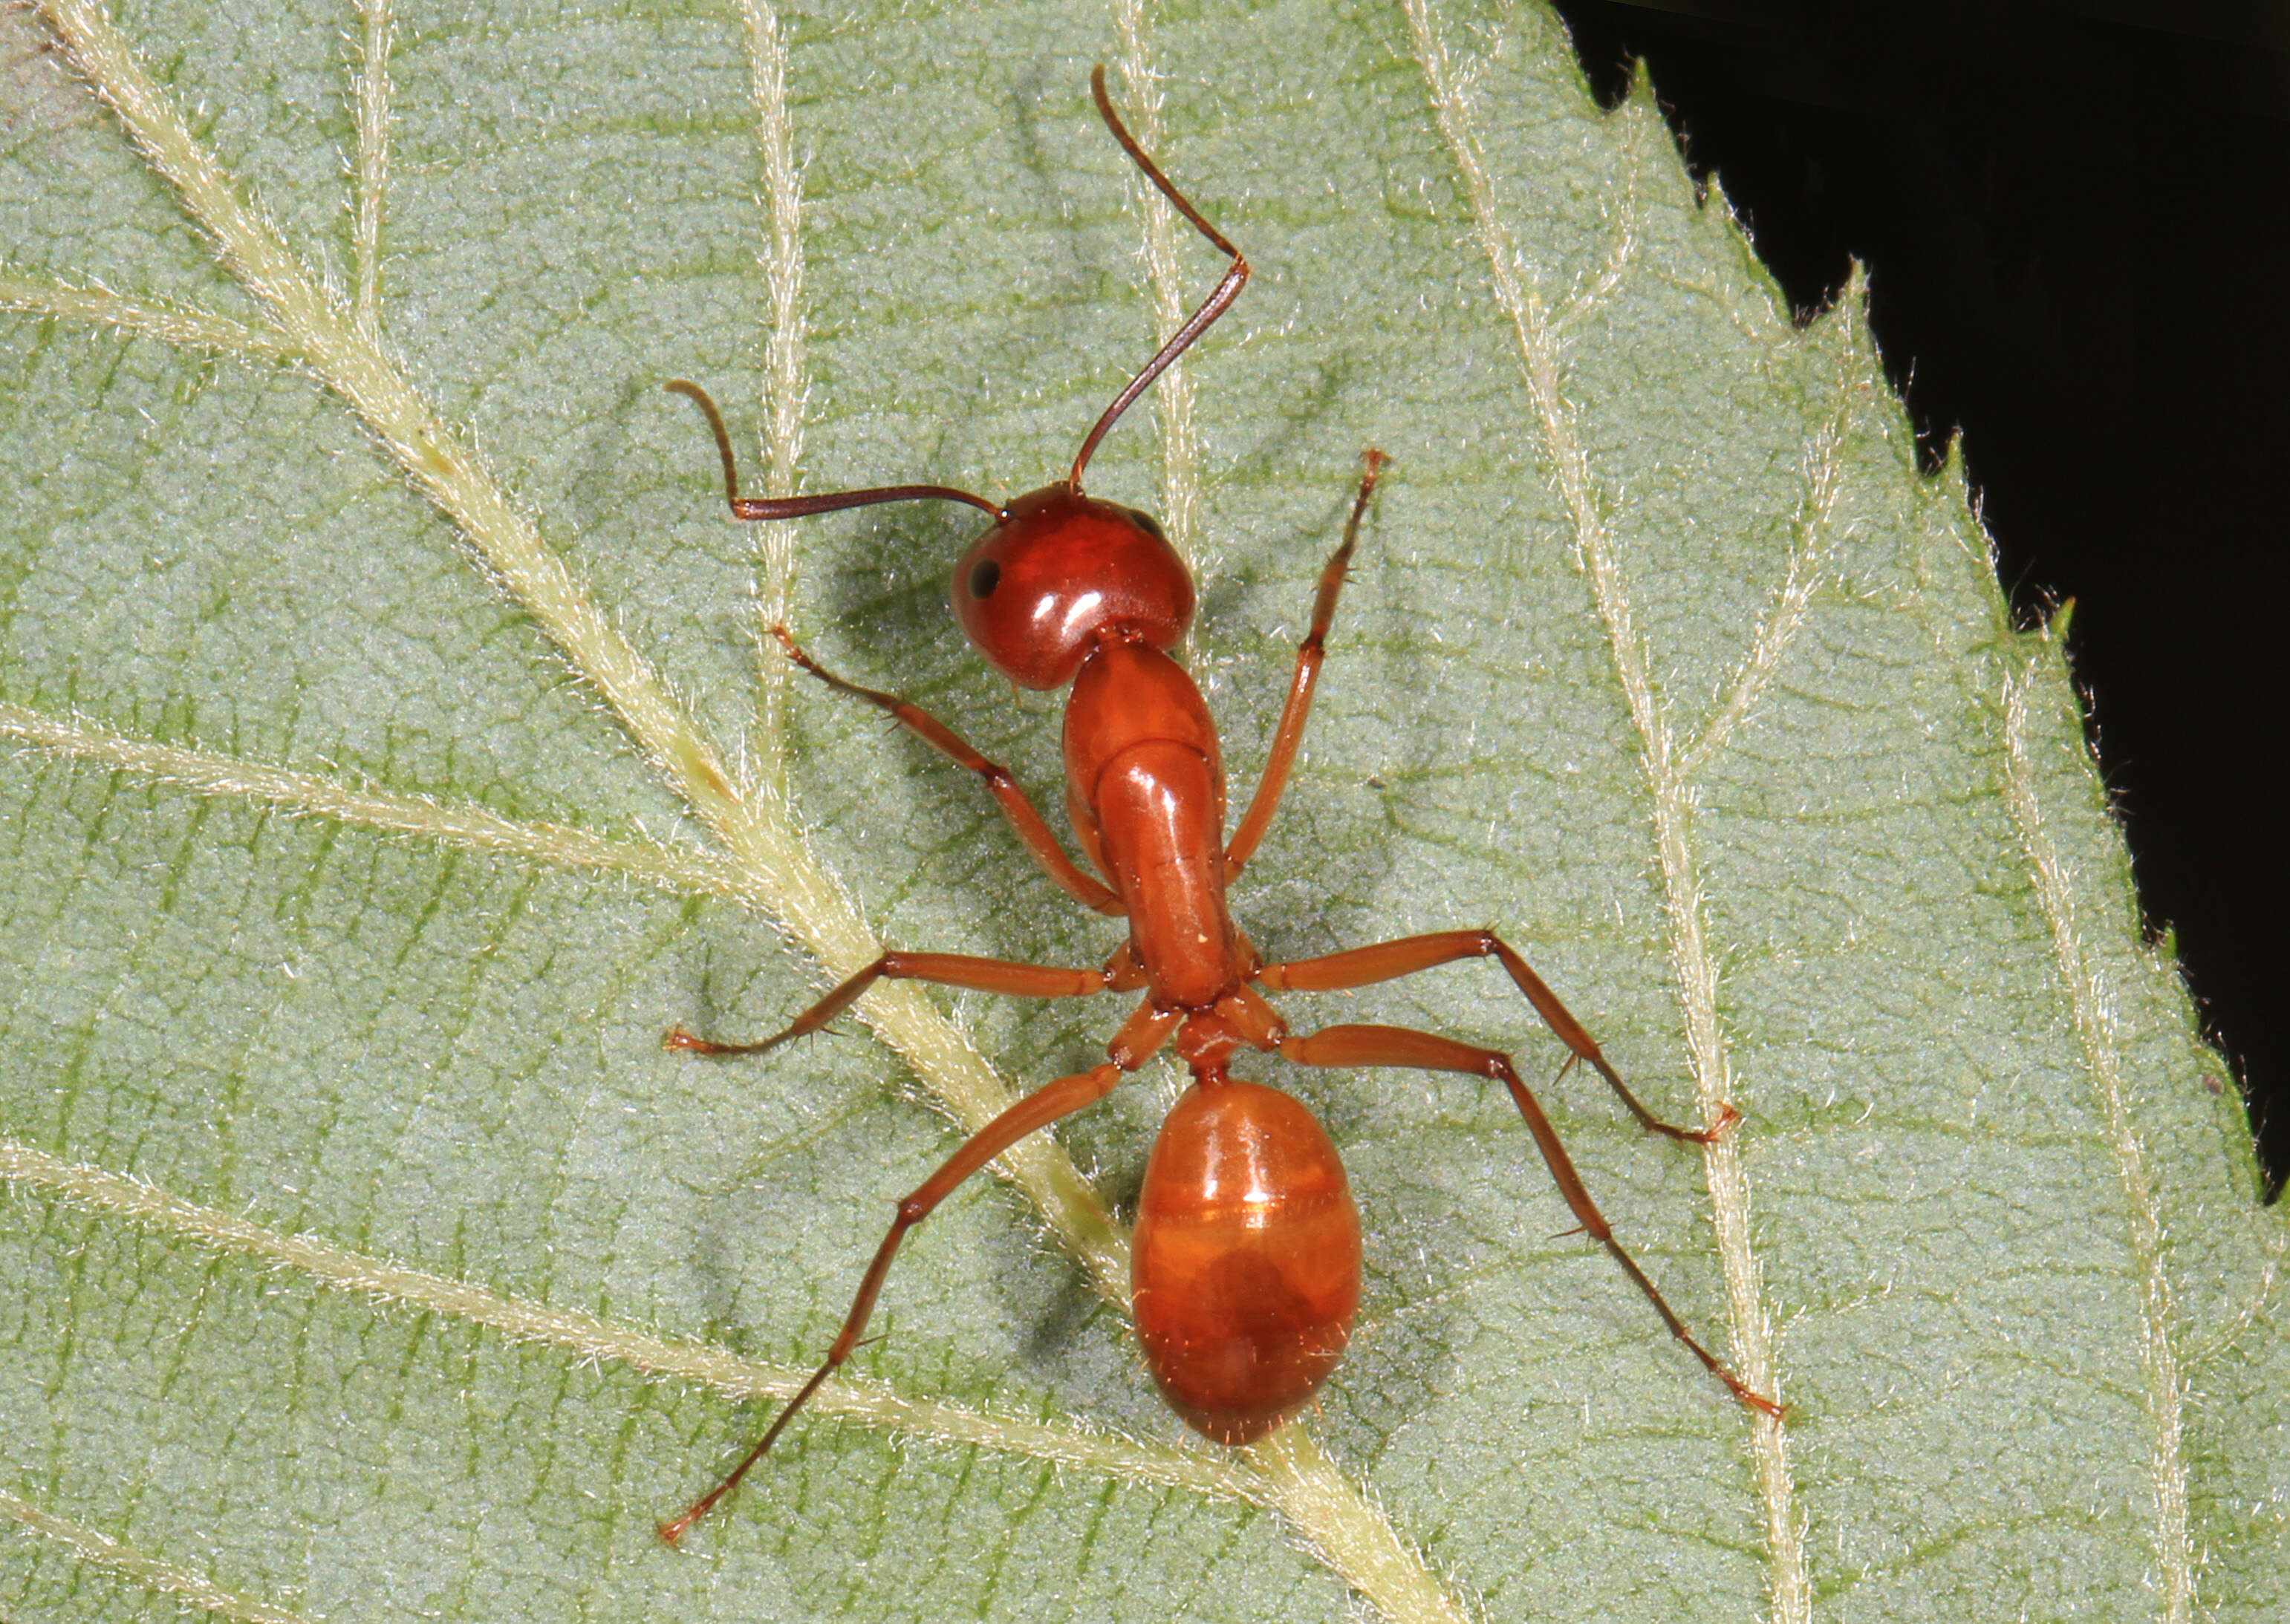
<point x="1245" y="1262"/>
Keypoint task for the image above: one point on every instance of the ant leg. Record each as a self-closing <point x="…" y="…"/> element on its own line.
<point x="1388" y="961"/>
<point x="1365" y="1045"/>
<point x="1140" y="1039"/>
<point x="993" y="975"/>
<point x="1289" y="736"/>
<point x="1035" y="833"/>
<point x="1128" y="975"/>
<point x="1038" y="1109"/>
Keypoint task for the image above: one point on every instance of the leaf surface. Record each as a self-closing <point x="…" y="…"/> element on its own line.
<point x="394" y="759"/>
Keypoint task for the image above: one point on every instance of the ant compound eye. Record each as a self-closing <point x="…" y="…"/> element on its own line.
<point x="1151" y="525"/>
<point x="985" y="578"/>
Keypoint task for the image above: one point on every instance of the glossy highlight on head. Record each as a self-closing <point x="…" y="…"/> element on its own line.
<point x="1038" y="589"/>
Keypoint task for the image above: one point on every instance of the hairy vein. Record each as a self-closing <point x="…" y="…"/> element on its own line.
<point x="1348" y="1530"/>
<point x="1809" y="539"/>
<point x="688" y="871"/>
<point x="100" y="1190"/>
<point x="1691" y="959"/>
<point x="102" y="1551"/>
<point x="783" y="264"/>
<point x="371" y="84"/>
<point x="99" y="305"/>
<point x="2094" y="1001"/>
<point x="787" y="386"/>
<point x="1594" y="292"/>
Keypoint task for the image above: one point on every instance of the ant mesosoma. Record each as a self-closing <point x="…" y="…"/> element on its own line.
<point x="1246" y="1261"/>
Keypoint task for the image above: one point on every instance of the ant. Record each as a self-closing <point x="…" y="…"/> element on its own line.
<point x="1245" y="1260"/>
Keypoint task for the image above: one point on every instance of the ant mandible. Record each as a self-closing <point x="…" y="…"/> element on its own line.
<point x="1246" y="1261"/>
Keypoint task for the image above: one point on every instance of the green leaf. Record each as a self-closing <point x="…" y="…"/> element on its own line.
<point x="395" y="757"/>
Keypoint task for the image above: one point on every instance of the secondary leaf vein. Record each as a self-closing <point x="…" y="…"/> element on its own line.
<point x="372" y="84"/>
<point x="97" y="1189"/>
<point x="2094" y="1001"/>
<point x="99" y="305"/>
<point x="99" y="1549"/>
<point x="788" y="384"/>
<point x="1691" y="959"/>
<point x="683" y="870"/>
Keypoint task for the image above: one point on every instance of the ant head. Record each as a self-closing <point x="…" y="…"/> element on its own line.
<point x="1035" y="593"/>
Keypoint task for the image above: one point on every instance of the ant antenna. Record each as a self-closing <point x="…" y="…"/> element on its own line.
<point x="799" y="507"/>
<point x="1217" y="303"/>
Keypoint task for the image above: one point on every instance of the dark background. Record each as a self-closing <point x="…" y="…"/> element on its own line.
<point x="2075" y="217"/>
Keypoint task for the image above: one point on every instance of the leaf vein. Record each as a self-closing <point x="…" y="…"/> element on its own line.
<point x="98" y="306"/>
<point x="796" y="889"/>
<point x="1329" y="1513"/>
<point x="1691" y="959"/>
<point x="2093" y="1002"/>
<point x="592" y="1338"/>
<point x="682" y="870"/>
<point x="100" y="1550"/>
<point x="370" y="84"/>
<point x="1784" y="614"/>
<point x="788" y="384"/>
